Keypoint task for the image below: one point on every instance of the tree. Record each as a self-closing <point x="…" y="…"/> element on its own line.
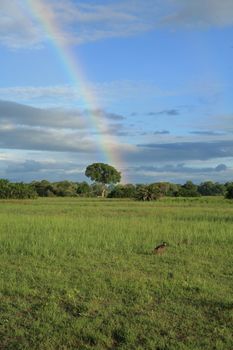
<point x="83" y="189"/>
<point x="167" y="188"/>
<point x="148" y="192"/>
<point x="9" y="190"/>
<point x="209" y="188"/>
<point x="4" y="189"/>
<point x="123" y="191"/>
<point x="65" y="189"/>
<point x="189" y="189"/>
<point x="229" y="192"/>
<point x="103" y="174"/>
<point x="22" y="191"/>
<point x="97" y="189"/>
<point x="43" y="188"/>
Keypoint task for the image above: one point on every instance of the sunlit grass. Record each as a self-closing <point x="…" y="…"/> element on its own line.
<point x="79" y="274"/>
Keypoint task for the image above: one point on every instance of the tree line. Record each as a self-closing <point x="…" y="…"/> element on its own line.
<point x="145" y="192"/>
<point x="106" y="183"/>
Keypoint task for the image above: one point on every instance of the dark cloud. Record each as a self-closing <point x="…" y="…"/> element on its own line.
<point x="162" y="132"/>
<point x="32" y="166"/>
<point x="24" y="167"/>
<point x="101" y="113"/>
<point x="20" y="114"/>
<point x="182" y="168"/>
<point x="169" y="112"/>
<point x="114" y="116"/>
<point x="29" y="128"/>
<point x="200" y="13"/>
<point x="180" y="173"/>
<point x="115" y="130"/>
<point x="44" y="140"/>
<point x="182" y="151"/>
<point x="207" y="133"/>
<point x="30" y="170"/>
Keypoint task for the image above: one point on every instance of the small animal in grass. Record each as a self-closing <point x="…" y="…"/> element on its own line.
<point x="160" y="249"/>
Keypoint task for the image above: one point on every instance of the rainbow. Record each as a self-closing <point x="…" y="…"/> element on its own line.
<point x="44" y="16"/>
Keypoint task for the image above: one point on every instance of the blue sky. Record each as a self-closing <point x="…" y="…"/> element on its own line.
<point x="162" y="75"/>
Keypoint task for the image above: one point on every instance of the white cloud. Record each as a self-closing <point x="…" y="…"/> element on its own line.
<point x="85" y="21"/>
<point x="21" y="24"/>
<point x="17" y="27"/>
<point x="105" y="93"/>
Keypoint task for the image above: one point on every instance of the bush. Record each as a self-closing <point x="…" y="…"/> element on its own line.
<point x="148" y="192"/>
<point x="189" y="189"/>
<point x="209" y="188"/>
<point x="20" y="190"/>
<point x="123" y="191"/>
<point x="229" y="192"/>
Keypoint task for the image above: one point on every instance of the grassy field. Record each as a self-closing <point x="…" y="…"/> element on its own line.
<point x="79" y="274"/>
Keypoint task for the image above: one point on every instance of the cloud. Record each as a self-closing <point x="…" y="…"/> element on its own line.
<point x="30" y="170"/>
<point x="223" y="123"/>
<point x="162" y="132"/>
<point x="180" y="173"/>
<point x="70" y="130"/>
<point x="115" y="117"/>
<point x="169" y="112"/>
<point x="199" y="14"/>
<point x="71" y="167"/>
<point x="33" y="166"/>
<point x="76" y="23"/>
<point x="105" y="93"/>
<point x="207" y="133"/>
<point x="17" y="28"/>
<point x="64" y="92"/>
<point x="182" y="151"/>
<point x="24" y="127"/>
<point x="29" y="166"/>
<point x="182" y="169"/>
<point x="20" y="114"/>
<point x="85" y="21"/>
<point x="114" y="130"/>
<point x="58" y="167"/>
<point x="100" y="113"/>
<point x="12" y="137"/>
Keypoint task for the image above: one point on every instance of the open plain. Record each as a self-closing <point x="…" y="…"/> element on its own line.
<point x="80" y="274"/>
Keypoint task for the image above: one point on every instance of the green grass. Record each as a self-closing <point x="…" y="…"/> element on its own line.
<point x="79" y="274"/>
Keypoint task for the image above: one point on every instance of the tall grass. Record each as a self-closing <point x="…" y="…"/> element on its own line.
<point x="80" y="274"/>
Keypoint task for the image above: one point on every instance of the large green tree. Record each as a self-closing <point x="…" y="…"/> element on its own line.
<point x="103" y="174"/>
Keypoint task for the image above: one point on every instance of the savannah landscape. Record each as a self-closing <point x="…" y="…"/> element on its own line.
<point x="80" y="274"/>
<point x="116" y="175"/>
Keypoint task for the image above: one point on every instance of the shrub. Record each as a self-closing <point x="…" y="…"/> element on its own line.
<point x="148" y="192"/>
<point x="229" y="192"/>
